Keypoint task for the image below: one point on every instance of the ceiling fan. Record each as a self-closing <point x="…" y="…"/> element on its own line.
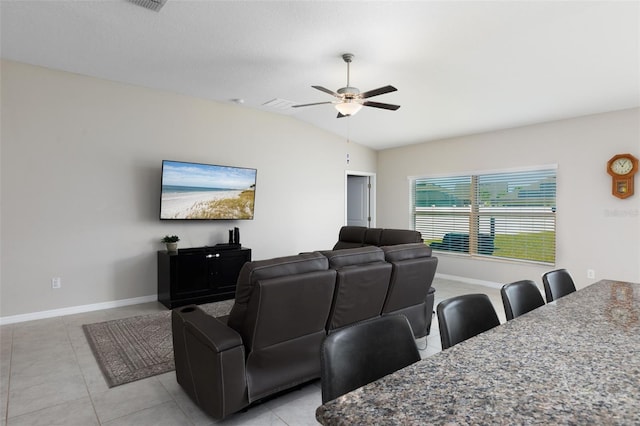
<point x="350" y="100"/>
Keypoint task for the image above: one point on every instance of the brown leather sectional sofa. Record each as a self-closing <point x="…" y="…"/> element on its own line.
<point x="283" y="310"/>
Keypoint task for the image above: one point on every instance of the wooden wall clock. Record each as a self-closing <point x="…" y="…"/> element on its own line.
<point x="622" y="168"/>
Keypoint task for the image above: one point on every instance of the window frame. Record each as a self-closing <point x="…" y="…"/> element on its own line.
<point x="545" y="217"/>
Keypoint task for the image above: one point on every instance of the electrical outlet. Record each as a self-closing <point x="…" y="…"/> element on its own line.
<point x="591" y="274"/>
<point x="56" y="282"/>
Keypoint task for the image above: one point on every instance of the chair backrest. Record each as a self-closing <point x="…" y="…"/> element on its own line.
<point x="350" y="237"/>
<point x="411" y="278"/>
<point x="557" y="283"/>
<point x="520" y="297"/>
<point x="281" y="309"/>
<point x="463" y="317"/>
<point x="364" y="352"/>
<point x="372" y="236"/>
<point x="362" y="283"/>
<point x="390" y="237"/>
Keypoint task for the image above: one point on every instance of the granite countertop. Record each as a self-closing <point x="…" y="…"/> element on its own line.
<point x="572" y="361"/>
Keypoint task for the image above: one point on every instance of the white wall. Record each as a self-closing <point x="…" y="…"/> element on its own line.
<point x="80" y="184"/>
<point x="594" y="229"/>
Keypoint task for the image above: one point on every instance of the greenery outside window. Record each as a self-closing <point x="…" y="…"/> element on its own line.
<point x="509" y="214"/>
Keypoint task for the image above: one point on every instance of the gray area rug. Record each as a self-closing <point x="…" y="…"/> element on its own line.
<point x="135" y="348"/>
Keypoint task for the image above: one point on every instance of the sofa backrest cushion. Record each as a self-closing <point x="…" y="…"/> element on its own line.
<point x="280" y="311"/>
<point x="350" y="237"/>
<point x="399" y="236"/>
<point x="361" y="285"/>
<point x="372" y="236"/>
<point x="354" y="256"/>
<point x="252" y="272"/>
<point x="411" y="279"/>
<point x="358" y="236"/>
<point x="412" y="276"/>
<point x="283" y="330"/>
<point x="289" y="307"/>
<point x="397" y="253"/>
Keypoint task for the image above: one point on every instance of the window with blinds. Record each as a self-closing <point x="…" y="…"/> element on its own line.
<point x="509" y="215"/>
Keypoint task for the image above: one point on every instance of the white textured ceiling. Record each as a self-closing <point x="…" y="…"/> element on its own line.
<point x="460" y="67"/>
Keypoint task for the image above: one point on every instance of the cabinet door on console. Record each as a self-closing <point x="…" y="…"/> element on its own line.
<point x="225" y="269"/>
<point x="199" y="275"/>
<point x="192" y="275"/>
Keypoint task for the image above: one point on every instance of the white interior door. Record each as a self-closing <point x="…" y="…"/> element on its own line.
<point x="359" y="200"/>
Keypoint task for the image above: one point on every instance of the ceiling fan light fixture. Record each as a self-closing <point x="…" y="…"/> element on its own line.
<point x="348" y="107"/>
<point x="350" y="100"/>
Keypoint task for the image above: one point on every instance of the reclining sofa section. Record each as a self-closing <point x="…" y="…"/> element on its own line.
<point x="283" y="310"/>
<point x="270" y="342"/>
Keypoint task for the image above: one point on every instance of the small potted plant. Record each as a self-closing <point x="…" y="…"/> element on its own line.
<point x="171" y="241"/>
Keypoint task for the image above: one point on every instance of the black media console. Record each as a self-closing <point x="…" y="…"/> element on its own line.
<point x="199" y="275"/>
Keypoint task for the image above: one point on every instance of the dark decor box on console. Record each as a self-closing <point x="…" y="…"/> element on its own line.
<point x="199" y="275"/>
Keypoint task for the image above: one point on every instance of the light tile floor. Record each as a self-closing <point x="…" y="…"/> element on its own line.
<point x="48" y="376"/>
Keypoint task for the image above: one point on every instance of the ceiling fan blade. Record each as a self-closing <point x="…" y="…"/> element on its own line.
<point x="381" y="105"/>
<point x="325" y="90"/>
<point x="378" y="91"/>
<point x="315" y="103"/>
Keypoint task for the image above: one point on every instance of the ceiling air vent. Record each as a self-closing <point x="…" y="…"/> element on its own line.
<point x="279" y="105"/>
<point x="150" y="4"/>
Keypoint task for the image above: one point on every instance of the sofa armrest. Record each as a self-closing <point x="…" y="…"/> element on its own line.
<point x="210" y="362"/>
<point x="216" y="335"/>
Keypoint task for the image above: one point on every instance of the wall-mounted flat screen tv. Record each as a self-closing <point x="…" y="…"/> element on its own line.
<point x="206" y="191"/>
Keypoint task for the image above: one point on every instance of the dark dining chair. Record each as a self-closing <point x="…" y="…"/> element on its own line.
<point x="465" y="316"/>
<point x="363" y="352"/>
<point x="520" y="297"/>
<point x="557" y="284"/>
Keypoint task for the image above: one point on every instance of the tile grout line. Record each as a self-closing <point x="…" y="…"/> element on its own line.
<point x="84" y="379"/>
<point x="6" y="411"/>
<point x="186" y="415"/>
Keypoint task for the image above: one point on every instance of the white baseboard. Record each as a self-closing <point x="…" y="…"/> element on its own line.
<point x="151" y="298"/>
<point x="470" y="280"/>
<point x="76" y="309"/>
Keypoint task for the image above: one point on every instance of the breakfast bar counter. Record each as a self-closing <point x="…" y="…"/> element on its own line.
<point x="573" y="361"/>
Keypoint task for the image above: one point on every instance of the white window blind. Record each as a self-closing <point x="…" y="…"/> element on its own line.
<point x="505" y="214"/>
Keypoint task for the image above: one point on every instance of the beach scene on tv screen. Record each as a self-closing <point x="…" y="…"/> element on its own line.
<point x="203" y="191"/>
